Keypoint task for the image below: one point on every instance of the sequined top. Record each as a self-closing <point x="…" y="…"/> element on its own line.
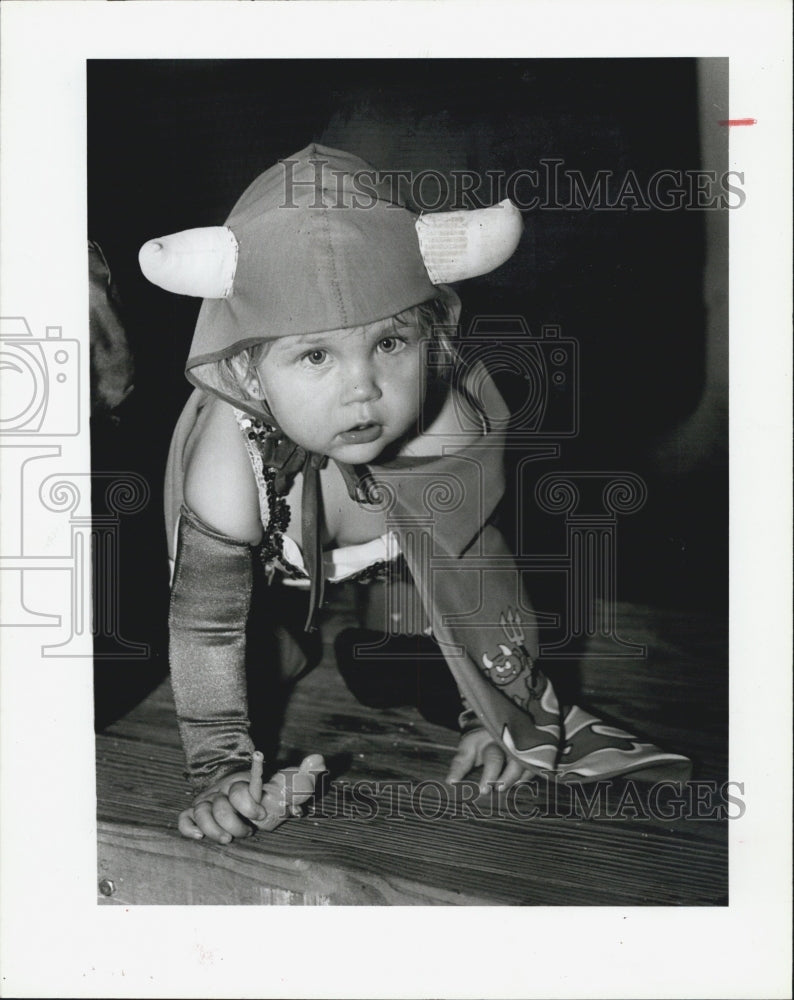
<point x="377" y="561"/>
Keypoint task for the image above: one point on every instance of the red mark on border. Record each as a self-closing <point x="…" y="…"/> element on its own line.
<point x="738" y="121"/>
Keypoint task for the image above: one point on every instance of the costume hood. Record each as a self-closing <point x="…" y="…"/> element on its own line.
<point x="318" y="242"/>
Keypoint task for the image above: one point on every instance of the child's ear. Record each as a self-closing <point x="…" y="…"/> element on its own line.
<point x="453" y="305"/>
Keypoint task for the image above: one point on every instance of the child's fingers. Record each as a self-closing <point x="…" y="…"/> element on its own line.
<point x="227" y="818"/>
<point x="294" y="785"/>
<point x="512" y="774"/>
<point x="204" y="819"/>
<point x="314" y="764"/>
<point x="275" y="806"/>
<point x="244" y="803"/>
<point x="255" y="782"/>
<point x="288" y="789"/>
<point x="314" y="767"/>
<point x="301" y="785"/>
<point x="493" y="760"/>
<point x="462" y="762"/>
<point x="187" y="827"/>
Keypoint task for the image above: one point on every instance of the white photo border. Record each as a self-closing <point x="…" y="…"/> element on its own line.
<point x="56" y="940"/>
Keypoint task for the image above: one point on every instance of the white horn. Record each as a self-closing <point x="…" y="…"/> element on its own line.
<point x="458" y="245"/>
<point x="198" y="262"/>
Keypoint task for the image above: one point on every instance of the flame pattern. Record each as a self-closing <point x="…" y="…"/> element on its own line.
<point x="594" y="750"/>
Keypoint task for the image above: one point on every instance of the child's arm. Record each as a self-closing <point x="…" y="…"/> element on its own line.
<point x="210" y="599"/>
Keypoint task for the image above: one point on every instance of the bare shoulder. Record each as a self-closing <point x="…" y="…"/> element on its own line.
<point x="219" y="481"/>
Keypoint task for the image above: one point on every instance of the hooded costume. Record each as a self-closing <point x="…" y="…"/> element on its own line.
<point x="316" y="243"/>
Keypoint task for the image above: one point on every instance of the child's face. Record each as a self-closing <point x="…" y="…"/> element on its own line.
<point x="347" y="394"/>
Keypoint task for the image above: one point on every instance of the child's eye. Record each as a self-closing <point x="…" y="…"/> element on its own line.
<point x="315" y="357"/>
<point x="391" y="345"/>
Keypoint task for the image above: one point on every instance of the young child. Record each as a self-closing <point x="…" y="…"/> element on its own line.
<point x="335" y="434"/>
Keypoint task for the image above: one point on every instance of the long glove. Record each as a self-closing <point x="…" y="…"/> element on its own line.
<point x="210" y="600"/>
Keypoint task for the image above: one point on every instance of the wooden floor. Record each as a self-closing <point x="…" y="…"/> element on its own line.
<point x="416" y="846"/>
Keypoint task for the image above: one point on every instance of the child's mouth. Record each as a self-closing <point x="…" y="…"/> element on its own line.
<point x="362" y="433"/>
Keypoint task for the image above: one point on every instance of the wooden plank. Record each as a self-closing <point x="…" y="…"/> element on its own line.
<point x="138" y="865"/>
<point x="339" y="856"/>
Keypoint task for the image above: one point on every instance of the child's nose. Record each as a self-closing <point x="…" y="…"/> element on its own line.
<point x="362" y="385"/>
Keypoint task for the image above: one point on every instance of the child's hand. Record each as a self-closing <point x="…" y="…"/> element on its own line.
<point x="478" y="748"/>
<point x="238" y="805"/>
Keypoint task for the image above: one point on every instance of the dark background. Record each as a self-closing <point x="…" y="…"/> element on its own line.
<point x="172" y="144"/>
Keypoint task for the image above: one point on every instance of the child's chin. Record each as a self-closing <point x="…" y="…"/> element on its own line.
<point x="358" y="454"/>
